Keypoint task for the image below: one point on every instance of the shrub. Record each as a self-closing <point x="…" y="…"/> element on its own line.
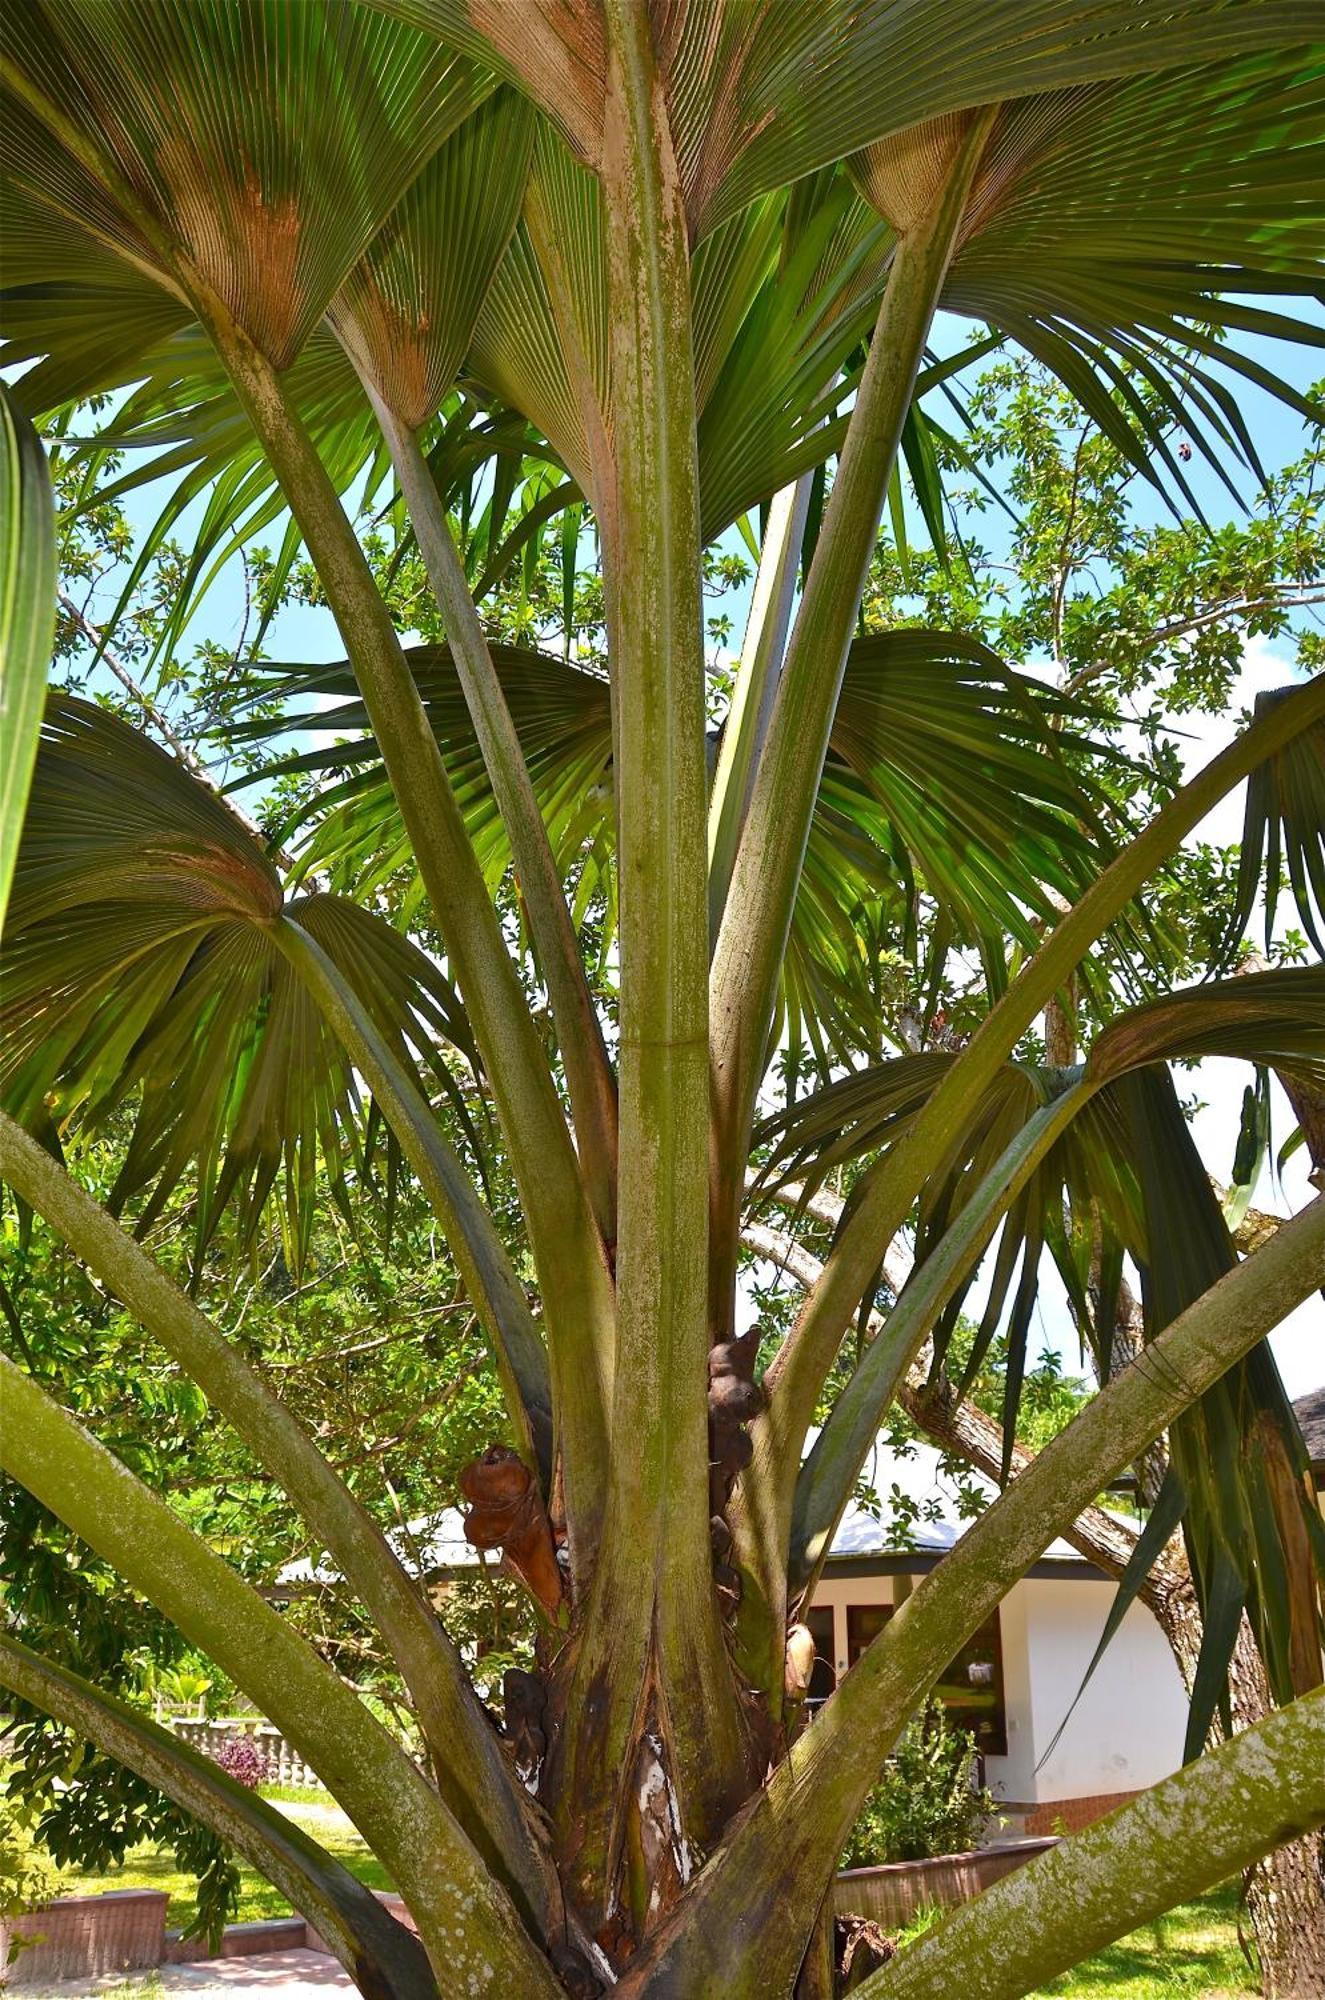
<point x="241" y="1759"/>
<point x="28" y="1877"/>
<point x="926" y="1802"/>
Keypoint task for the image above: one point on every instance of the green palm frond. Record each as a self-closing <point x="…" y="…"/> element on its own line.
<point x="1284" y="829"/>
<point x="1123" y="1179"/>
<point x="27" y="618"/>
<point x="823" y="81"/>
<point x="139" y="970"/>
<point x="1157" y="255"/>
<point x="1087" y="1202"/>
<point x="819" y="79"/>
<point x="405" y="312"/>
<point x="270" y="187"/>
<point x="947" y="775"/>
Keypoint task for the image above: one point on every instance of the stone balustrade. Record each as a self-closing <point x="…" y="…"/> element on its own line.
<point x="281" y="1763"/>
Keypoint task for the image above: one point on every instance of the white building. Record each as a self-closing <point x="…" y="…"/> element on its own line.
<point x="1014" y="1684"/>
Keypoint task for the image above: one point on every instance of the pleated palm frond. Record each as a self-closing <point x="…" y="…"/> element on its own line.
<point x="1100" y="233"/>
<point x="1124" y="1180"/>
<point x="261" y="146"/>
<point x="1283" y="831"/>
<point x="1163" y="245"/>
<point x="759" y="99"/>
<point x="140" y="972"/>
<point x="949" y="776"/>
<point x="1272" y="1019"/>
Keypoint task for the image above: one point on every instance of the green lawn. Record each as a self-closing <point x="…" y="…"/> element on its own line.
<point x="151" y="1867"/>
<point x="1191" y="1954"/>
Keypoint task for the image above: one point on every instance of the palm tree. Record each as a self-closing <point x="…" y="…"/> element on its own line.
<point x="679" y="256"/>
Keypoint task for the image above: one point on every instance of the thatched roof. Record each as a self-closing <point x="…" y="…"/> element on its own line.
<point x="1310" y="1413"/>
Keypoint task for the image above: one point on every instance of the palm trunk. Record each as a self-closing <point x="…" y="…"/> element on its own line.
<point x="650" y="1754"/>
<point x="1213" y="1818"/>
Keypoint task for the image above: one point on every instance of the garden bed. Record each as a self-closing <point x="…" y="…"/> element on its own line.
<point x="890" y="1895"/>
<point x="122" y="1930"/>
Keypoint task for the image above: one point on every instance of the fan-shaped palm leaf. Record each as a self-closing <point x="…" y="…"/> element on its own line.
<point x="1123" y="1176"/>
<point x="255" y="147"/>
<point x="140" y="966"/>
<point x="944" y="776"/>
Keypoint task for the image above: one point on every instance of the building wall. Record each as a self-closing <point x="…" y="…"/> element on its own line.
<point x="1126" y="1731"/>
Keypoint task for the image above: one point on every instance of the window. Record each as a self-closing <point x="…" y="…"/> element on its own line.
<point x="823" y="1679"/>
<point x="864" y="1622"/>
<point x="971" y="1689"/>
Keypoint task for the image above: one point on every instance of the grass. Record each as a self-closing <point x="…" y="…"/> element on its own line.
<point x="1190" y="1954"/>
<point x="152" y="1867"/>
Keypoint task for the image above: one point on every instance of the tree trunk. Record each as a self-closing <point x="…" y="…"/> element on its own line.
<point x="1285" y="1892"/>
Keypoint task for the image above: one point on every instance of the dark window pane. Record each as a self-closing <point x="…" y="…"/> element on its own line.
<point x="864" y="1622"/>
<point x="971" y="1690"/>
<point x="824" y="1677"/>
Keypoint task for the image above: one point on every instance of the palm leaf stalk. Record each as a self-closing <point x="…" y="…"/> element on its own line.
<point x="752" y="936"/>
<point x="27" y="617"/>
<point x="571" y="1255"/>
<point x="441" y="1874"/>
<point x="379" y="1954"/>
<point x="648" y="245"/>
<point x="1261" y="1789"/>
<point x="590" y="1082"/>
<point x="477" y="1785"/>
<point x="746" y="726"/>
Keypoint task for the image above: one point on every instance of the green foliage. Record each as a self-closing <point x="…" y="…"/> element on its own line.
<point x="28" y="1876"/>
<point x="926" y="1803"/>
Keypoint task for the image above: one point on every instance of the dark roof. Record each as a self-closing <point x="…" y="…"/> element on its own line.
<point x="1310" y="1413"/>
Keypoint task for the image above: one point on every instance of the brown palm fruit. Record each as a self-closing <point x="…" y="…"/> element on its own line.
<point x="506" y="1512"/>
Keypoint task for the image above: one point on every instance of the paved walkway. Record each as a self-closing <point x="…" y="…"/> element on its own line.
<point x="293" y="1975"/>
<point x="296" y="1975"/>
